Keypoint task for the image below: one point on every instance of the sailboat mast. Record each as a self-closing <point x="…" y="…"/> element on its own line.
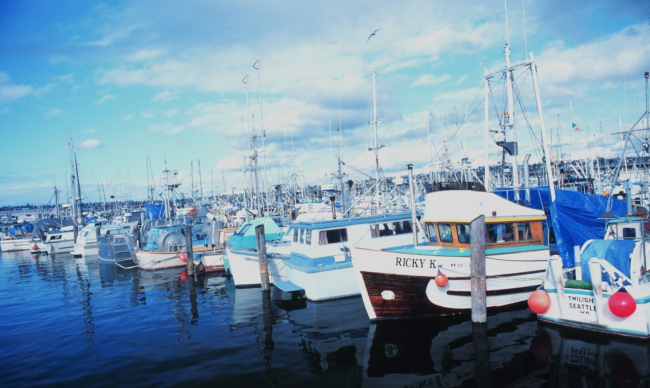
<point x="81" y="214"/>
<point x="377" y="146"/>
<point x="200" y="181"/>
<point x="510" y="122"/>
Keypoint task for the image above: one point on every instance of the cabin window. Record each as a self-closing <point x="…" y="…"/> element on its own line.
<point x="302" y="236"/>
<point x="463" y="233"/>
<point x="295" y="235"/>
<point x="444" y="230"/>
<point x="243" y="229"/>
<point x="432" y="233"/>
<point x="523" y="231"/>
<point x="498" y="233"/>
<point x="308" y="237"/>
<point x="86" y="234"/>
<point x="390" y="229"/>
<point x="332" y="236"/>
<point x="629" y="233"/>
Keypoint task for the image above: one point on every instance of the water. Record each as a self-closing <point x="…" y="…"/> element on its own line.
<point x="80" y="322"/>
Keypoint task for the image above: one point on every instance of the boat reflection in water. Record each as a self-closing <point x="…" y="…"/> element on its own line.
<point x="451" y="352"/>
<point x="578" y="359"/>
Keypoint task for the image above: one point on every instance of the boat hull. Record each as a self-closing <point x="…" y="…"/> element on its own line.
<point x="15" y="245"/>
<point x="401" y="284"/>
<point x="152" y="260"/>
<point x="213" y="261"/>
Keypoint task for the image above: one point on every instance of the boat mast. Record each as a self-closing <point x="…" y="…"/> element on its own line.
<point x="81" y="214"/>
<point x="72" y="178"/>
<point x="509" y="119"/>
<point x="377" y="147"/>
<point x="258" y="66"/>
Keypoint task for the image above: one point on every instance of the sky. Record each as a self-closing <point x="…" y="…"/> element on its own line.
<point x="163" y="80"/>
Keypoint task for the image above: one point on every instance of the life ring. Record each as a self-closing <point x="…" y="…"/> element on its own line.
<point x="192" y="212"/>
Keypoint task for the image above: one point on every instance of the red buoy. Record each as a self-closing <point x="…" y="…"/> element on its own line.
<point x="539" y="301"/>
<point x="35" y="247"/>
<point x="441" y="279"/>
<point x="622" y="304"/>
<point x="182" y="256"/>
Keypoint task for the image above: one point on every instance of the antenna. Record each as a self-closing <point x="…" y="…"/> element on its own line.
<point x="507" y="29"/>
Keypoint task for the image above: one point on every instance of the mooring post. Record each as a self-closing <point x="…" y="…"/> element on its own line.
<point x="261" y="254"/>
<point x="482" y="366"/>
<point x="477" y="265"/>
<point x="190" y="254"/>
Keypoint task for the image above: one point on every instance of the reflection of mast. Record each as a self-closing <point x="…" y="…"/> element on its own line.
<point x="84" y="288"/>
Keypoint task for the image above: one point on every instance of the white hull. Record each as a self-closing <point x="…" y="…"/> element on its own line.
<point x="402" y="284"/>
<point x="15" y="245"/>
<point x="245" y="268"/>
<point x="213" y="261"/>
<point x="328" y="284"/>
<point x="85" y="250"/>
<point x="150" y="261"/>
<point x="585" y="310"/>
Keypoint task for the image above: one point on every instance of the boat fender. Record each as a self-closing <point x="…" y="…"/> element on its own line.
<point x="621" y="303"/>
<point x="192" y="212"/>
<point x="35" y="247"/>
<point x="539" y="301"/>
<point x="182" y="256"/>
<point x="441" y="279"/>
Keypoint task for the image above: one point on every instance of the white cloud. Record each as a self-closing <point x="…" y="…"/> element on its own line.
<point x="107" y="97"/>
<point x="91" y="130"/>
<point x="430" y="79"/>
<point x="127" y="117"/>
<point x="52" y="113"/>
<point x="171" y="113"/>
<point x="164" y="96"/>
<point x="90" y="144"/>
<point x="147" y="115"/>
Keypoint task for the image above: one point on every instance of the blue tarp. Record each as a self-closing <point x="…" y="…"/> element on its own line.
<point x="575" y="220"/>
<point x="615" y="252"/>
<point x="573" y="215"/>
<point x="155" y="212"/>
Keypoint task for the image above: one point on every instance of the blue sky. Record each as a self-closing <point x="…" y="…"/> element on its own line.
<point x="163" y="79"/>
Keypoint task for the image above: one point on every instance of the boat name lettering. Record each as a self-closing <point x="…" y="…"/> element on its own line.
<point x="427" y="383"/>
<point x="251" y="259"/>
<point x="582" y="303"/>
<point x="583" y="356"/>
<point x="413" y="263"/>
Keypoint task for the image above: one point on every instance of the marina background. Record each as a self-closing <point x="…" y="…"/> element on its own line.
<point x="164" y="80"/>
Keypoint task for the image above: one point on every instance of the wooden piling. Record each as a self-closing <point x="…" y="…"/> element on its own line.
<point x="477" y="265"/>
<point x="189" y="252"/>
<point x="261" y="254"/>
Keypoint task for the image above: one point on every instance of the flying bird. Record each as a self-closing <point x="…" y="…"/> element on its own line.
<point x="373" y="34"/>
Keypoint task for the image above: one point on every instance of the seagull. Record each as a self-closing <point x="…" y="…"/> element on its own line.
<point x="373" y="34"/>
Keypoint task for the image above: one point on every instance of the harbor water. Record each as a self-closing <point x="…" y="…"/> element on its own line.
<point x="81" y="322"/>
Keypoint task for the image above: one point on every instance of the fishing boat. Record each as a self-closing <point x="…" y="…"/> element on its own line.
<point x="87" y="241"/>
<point x="243" y="261"/>
<point x="415" y="281"/>
<point x="608" y="288"/>
<point x="17" y="238"/>
<point x="54" y="235"/>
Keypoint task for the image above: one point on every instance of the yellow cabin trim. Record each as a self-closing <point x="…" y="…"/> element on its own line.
<point x="491" y="220"/>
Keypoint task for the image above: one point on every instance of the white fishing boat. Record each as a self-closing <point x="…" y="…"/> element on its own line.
<point x="87" y="242"/>
<point x="608" y="289"/>
<point x="56" y="241"/>
<point x="312" y="257"/>
<point x="430" y="280"/>
<point x="13" y="244"/>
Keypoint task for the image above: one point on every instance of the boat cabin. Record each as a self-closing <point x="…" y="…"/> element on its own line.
<point x="448" y="216"/>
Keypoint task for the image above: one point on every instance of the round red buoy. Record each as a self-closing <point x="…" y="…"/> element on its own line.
<point x="622" y="304"/>
<point x="441" y="279"/>
<point x="183" y="275"/>
<point x="182" y="256"/>
<point x="35" y="247"/>
<point x="539" y="301"/>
